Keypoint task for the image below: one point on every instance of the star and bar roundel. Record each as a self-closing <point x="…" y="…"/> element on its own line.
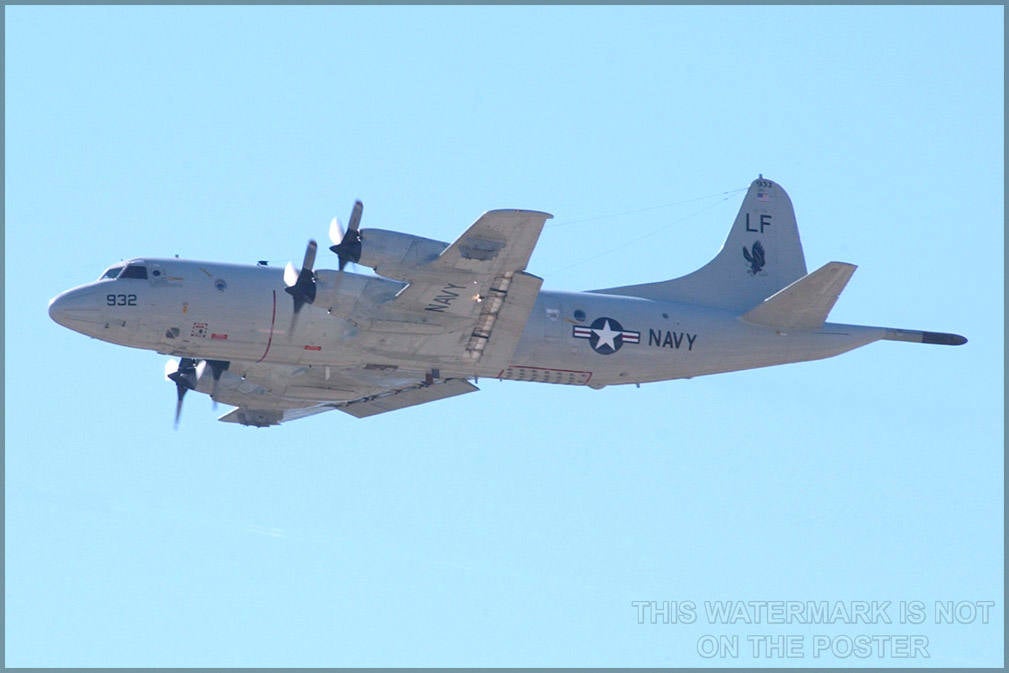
<point x="606" y="335"/>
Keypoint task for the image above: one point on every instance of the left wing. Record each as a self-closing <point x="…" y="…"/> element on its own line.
<point x="267" y="394"/>
<point x="475" y="292"/>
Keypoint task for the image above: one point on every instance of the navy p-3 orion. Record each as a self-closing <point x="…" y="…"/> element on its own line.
<point x="284" y="344"/>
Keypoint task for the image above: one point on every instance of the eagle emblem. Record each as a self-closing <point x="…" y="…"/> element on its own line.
<point x="755" y="256"/>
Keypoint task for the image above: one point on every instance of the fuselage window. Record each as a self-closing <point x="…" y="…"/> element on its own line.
<point x="134" y="271"/>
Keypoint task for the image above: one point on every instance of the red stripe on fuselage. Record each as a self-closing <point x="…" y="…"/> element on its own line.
<point x="273" y="321"/>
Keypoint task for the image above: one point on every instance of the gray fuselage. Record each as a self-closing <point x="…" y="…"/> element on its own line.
<point x="219" y="311"/>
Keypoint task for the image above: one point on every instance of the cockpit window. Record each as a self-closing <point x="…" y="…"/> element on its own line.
<point x="112" y="272"/>
<point x="134" y="271"/>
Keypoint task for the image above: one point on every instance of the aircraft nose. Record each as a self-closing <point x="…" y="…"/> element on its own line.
<point x="75" y="309"/>
<point x="56" y="308"/>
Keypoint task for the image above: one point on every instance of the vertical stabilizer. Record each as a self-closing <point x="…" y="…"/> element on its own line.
<point x="762" y="255"/>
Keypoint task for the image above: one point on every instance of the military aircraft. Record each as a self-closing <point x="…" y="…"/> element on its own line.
<point x="282" y="344"/>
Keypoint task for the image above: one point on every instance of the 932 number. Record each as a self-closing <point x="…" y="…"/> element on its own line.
<point x="120" y="300"/>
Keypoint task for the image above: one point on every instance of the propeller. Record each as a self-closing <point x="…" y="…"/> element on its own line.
<point x="347" y="245"/>
<point x="217" y="368"/>
<point x="301" y="284"/>
<point x="183" y="373"/>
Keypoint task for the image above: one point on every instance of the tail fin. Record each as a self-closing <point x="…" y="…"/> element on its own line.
<point x="761" y="255"/>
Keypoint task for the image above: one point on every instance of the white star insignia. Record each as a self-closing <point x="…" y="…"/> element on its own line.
<point x="606" y="336"/>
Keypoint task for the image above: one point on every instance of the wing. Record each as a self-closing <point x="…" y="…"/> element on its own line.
<point x="268" y="394"/>
<point x="468" y="307"/>
<point x="501" y="240"/>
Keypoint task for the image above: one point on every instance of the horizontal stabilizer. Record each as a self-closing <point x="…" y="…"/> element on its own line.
<point x="915" y="336"/>
<point x="805" y="303"/>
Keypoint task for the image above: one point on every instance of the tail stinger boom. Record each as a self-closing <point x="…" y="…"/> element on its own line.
<point x="919" y="337"/>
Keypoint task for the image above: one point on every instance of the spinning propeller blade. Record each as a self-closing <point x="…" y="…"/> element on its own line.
<point x="186" y="373"/>
<point x="217" y="368"/>
<point x="301" y="284"/>
<point x="347" y="245"/>
<point x="183" y="373"/>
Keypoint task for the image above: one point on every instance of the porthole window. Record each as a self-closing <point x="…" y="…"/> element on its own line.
<point x="220" y="284"/>
<point x="579" y="315"/>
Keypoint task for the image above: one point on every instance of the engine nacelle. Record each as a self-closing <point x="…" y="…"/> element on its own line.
<point x="394" y="254"/>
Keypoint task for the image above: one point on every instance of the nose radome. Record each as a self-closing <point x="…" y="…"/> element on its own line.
<point x="74" y="308"/>
<point x="57" y="309"/>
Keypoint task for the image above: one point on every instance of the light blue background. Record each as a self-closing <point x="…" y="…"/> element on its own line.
<point x="514" y="526"/>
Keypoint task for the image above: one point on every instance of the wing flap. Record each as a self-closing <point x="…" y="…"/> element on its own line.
<point x="503" y="318"/>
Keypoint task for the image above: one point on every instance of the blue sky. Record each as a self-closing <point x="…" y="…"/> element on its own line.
<point x="518" y="525"/>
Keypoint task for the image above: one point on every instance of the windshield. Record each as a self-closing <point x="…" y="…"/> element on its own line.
<point x="125" y="271"/>
<point x="111" y="272"/>
<point x="134" y="271"/>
